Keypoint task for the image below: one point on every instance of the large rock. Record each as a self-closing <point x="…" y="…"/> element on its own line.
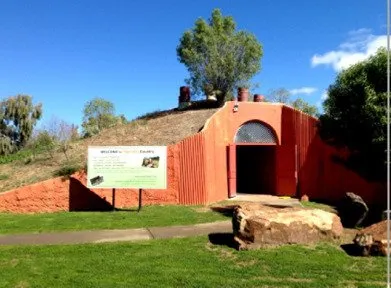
<point x="256" y="225"/>
<point x="352" y="210"/>
<point x="372" y="241"/>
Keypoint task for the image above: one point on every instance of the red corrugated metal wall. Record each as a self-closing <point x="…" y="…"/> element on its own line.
<point x="319" y="175"/>
<point x="198" y="165"/>
<point x="192" y="170"/>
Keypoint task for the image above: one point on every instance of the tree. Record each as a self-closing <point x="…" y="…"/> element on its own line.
<point x="305" y="107"/>
<point x="98" y="114"/>
<point x="62" y="133"/>
<point x="355" y="114"/>
<point x="219" y="58"/>
<point x="282" y="95"/>
<point x="18" y="117"/>
<point x="42" y="141"/>
<point x="55" y="135"/>
<point x="279" y="95"/>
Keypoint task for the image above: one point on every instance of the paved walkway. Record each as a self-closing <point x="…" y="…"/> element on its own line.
<point x="104" y="236"/>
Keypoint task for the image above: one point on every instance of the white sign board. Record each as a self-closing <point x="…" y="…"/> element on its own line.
<point x="141" y="167"/>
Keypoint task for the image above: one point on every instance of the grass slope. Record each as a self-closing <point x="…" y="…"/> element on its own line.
<point x="191" y="262"/>
<point x="149" y="216"/>
<point x="164" y="128"/>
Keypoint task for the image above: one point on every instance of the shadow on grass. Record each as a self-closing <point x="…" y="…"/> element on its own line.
<point x="223" y="239"/>
<point x="127" y="210"/>
<point x="224" y="210"/>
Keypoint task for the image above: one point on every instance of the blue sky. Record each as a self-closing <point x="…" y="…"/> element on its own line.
<point x="64" y="53"/>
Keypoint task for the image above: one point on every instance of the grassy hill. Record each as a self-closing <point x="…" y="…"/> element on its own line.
<point x="161" y="128"/>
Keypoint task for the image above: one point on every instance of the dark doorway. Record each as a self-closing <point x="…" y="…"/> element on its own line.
<point x="256" y="169"/>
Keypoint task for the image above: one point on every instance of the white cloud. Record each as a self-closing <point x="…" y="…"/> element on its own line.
<point x="324" y="96"/>
<point x="303" y="90"/>
<point x="361" y="44"/>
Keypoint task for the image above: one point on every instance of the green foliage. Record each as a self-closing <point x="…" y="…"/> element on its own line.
<point x="99" y="114"/>
<point x="282" y="95"/>
<point x="18" y="117"/>
<point x="43" y="142"/>
<point x="4" y="176"/>
<point x="219" y="58"/>
<point x="305" y="107"/>
<point x="355" y="114"/>
<point x="67" y="169"/>
<point x="20" y="155"/>
<point x="55" y="135"/>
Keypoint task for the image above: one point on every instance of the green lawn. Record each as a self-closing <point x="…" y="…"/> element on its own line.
<point x="149" y="216"/>
<point x="190" y="262"/>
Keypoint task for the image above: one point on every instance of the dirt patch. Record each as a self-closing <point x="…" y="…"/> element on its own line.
<point x="360" y="283"/>
<point x="246" y="263"/>
<point x="202" y="209"/>
<point x="14" y="262"/>
<point x="280" y="280"/>
<point x="226" y="254"/>
<point x="22" y="284"/>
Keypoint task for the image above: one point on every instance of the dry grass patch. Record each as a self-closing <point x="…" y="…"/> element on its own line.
<point x="285" y="280"/>
<point x="167" y="128"/>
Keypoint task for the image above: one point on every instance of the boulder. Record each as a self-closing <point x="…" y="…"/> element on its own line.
<point x="256" y="225"/>
<point x="304" y="198"/>
<point x="352" y="210"/>
<point x="372" y="241"/>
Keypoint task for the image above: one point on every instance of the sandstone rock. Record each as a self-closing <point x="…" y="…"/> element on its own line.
<point x="256" y="225"/>
<point x="304" y="198"/>
<point x="372" y="241"/>
<point x="352" y="210"/>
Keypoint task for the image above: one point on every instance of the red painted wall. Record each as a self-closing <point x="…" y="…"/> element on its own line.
<point x="72" y="194"/>
<point x="304" y="163"/>
<point x="220" y="132"/>
<point x="198" y="168"/>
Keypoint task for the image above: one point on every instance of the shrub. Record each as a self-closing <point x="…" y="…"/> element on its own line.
<point x="67" y="169"/>
<point x="4" y="177"/>
<point x="20" y="155"/>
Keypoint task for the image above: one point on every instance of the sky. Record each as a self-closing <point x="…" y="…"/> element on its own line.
<point x="65" y="53"/>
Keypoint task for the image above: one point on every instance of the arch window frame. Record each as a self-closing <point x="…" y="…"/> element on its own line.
<point x="255" y="133"/>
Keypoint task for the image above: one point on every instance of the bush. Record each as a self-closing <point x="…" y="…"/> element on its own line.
<point x="67" y="169"/>
<point x="20" y="155"/>
<point x="4" y="177"/>
<point x="43" y="142"/>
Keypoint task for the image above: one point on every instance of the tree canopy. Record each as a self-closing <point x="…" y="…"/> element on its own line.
<point x="355" y="114"/>
<point x="99" y="114"/>
<point x="305" y="107"/>
<point x="282" y="95"/>
<point x="18" y="117"/>
<point x="219" y="58"/>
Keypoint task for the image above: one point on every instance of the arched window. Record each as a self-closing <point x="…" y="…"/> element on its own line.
<point x="255" y="132"/>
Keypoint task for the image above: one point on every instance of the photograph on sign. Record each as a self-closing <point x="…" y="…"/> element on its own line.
<point x="142" y="167"/>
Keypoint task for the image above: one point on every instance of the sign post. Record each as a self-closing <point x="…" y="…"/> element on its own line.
<point x="113" y="197"/>
<point x="127" y="167"/>
<point x="139" y="199"/>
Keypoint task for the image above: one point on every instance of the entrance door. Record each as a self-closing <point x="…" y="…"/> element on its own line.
<point x="252" y="159"/>
<point x="256" y="169"/>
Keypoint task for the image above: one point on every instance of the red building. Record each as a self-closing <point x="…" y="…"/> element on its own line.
<point x="245" y="147"/>
<point x="265" y="148"/>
